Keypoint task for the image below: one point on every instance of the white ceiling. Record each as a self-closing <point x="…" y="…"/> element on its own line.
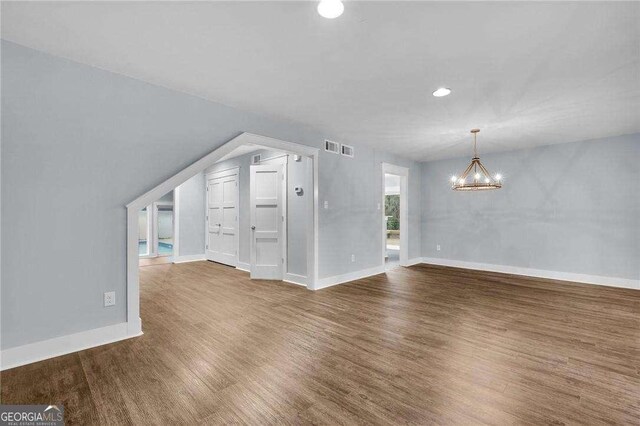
<point x="525" y="73"/>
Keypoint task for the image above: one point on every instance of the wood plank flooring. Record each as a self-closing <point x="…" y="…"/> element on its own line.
<point x="419" y="345"/>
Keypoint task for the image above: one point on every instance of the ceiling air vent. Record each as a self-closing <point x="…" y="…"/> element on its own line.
<point x="347" y="151"/>
<point x="256" y="159"/>
<point x="331" y="146"/>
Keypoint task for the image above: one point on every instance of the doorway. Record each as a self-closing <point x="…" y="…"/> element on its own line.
<point x="309" y="246"/>
<point x="392" y="220"/>
<point x="156" y="228"/>
<point x="394" y="216"/>
<point x="266" y="196"/>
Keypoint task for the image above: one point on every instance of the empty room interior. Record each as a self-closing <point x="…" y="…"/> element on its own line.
<point x="320" y="212"/>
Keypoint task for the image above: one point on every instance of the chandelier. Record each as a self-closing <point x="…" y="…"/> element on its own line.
<point x="480" y="177"/>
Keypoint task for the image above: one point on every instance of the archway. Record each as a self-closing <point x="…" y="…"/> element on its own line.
<point x="134" y="323"/>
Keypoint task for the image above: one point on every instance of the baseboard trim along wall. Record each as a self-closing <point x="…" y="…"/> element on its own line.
<point x="244" y="267"/>
<point x="537" y="273"/>
<point x="295" y="279"/>
<point x="351" y="276"/>
<point x="33" y="352"/>
<point x="189" y="258"/>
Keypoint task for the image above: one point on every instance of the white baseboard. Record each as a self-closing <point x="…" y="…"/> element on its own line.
<point x="538" y="273"/>
<point x="189" y="258"/>
<point x="134" y="327"/>
<point x="351" y="276"/>
<point x="295" y="279"/>
<point x="244" y="267"/>
<point x="33" y="352"/>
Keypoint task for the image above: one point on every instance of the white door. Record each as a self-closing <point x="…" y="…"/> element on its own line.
<point x="266" y="221"/>
<point x="222" y="218"/>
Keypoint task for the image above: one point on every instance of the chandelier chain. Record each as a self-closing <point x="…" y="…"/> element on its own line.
<point x="475" y="145"/>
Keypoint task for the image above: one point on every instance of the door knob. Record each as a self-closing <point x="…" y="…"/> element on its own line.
<point x="253" y="228"/>
<point x="218" y="224"/>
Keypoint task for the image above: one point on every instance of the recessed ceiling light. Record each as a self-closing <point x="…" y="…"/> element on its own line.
<point x="330" y="8"/>
<point x="443" y="91"/>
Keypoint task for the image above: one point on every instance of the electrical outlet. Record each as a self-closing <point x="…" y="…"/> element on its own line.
<point x="438" y="247"/>
<point x="110" y="298"/>
<point x="326" y="204"/>
<point x="353" y="257"/>
<point x="378" y="206"/>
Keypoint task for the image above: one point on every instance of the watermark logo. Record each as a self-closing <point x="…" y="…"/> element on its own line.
<point x="31" y="415"/>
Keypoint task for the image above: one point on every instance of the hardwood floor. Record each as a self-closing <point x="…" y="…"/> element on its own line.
<point x="418" y="345"/>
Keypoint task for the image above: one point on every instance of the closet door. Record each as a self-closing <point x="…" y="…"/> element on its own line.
<point x="222" y="217"/>
<point x="266" y="222"/>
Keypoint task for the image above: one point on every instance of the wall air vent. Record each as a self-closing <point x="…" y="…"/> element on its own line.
<point x="347" y="151"/>
<point x="256" y="159"/>
<point x="333" y="147"/>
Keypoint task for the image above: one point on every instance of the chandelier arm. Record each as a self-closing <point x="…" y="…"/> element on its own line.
<point x="466" y="172"/>
<point x="486" y="172"/>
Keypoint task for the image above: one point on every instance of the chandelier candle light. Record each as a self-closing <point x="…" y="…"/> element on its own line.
<point x="482" y="179"/>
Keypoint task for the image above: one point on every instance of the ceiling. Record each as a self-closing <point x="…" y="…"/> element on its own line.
<point x="527" y="74"/>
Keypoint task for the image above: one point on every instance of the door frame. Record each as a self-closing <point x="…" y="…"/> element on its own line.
<point x="222" y="173"/>
<point x="150" y="254"/>
<point x="152" y="228"/>
<point x="176" y="224"/>
<point x="134" y="324"/>
<point x="403" y="172"/>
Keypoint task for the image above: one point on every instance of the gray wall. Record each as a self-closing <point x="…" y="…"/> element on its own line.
<point x="298" y="175"/>
<point x="572" y="207"/>
<point x="191" y="216"/>
<point x="353" y="224"/>
<point x="79" y="143"/>
<point x="165" y="221"/>
<point x="167" y="198"/>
